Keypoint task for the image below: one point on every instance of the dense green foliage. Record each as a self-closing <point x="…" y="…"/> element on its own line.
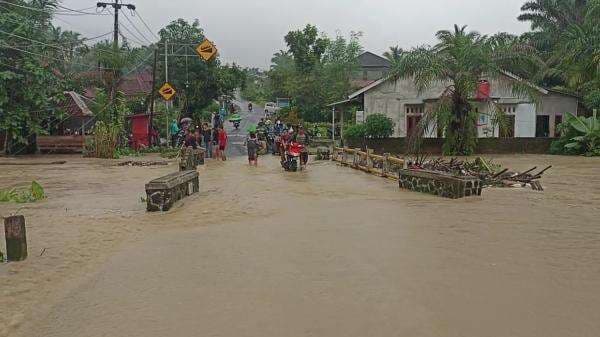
<point x="39" y="61"/>
<point x="315" y="71"/>
<point x="580" y="135"/>
<point x="198" y="82"/>
<point x="355" y="131"/>
<point x="376" y="126"/>
<point x="566" y="35"/>
<point x="379" y="126"/>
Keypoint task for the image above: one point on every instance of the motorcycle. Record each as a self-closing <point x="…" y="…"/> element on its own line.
<point x="235" y="119"/>
<point x="292" y="157"/>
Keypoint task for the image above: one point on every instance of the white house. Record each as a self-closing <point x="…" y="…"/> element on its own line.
<point x="527" y="117"/>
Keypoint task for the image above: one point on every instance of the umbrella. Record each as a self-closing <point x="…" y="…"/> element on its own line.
<point x="251" y="128"/>
<point x="235" y="118"/>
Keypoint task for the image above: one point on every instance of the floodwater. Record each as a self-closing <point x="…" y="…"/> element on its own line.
<point x="325" y="252"/>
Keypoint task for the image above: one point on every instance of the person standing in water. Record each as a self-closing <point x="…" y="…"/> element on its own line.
<point x="222" y="143"/>
<point x="253" y="145"/>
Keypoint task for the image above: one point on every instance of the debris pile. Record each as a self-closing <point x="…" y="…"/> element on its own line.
<point x="490" y="174"/>
<point x="143" y="163"/>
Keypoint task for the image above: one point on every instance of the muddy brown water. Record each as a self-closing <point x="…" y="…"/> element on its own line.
<point x="325" y="252"/>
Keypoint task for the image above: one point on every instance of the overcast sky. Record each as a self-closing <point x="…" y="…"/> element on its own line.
<point x="249" y="32"/>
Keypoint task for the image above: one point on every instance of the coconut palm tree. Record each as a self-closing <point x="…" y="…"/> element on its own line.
<point x="567" y="34"/>
<point x="393" y="55"/>
<point x="461" y="59"/>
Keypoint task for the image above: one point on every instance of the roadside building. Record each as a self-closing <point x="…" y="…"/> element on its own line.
<point x="525" y="116"/>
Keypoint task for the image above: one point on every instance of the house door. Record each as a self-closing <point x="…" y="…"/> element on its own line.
<point x="542" y="126"/>
<point x="412" y="125"/>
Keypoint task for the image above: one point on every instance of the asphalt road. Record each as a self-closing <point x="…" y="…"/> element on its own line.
<point x="237" y="137"/>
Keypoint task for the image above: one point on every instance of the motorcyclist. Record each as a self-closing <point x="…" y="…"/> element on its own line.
<point x="286" y="137"/>
<point x="278" y="128"/>
<point x="302" y="138"/>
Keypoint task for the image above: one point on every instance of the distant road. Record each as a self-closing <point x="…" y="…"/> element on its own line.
<point x="237" y="137"/>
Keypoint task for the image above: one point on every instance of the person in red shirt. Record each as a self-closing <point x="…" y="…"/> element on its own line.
<point x="222" y="139"/>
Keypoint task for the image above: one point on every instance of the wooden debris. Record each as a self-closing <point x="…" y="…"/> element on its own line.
<point x="490" y="175"/>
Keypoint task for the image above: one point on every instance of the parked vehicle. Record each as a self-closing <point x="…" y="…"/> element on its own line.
<point x="271" y="109"/>
<point x="292" y="157"/>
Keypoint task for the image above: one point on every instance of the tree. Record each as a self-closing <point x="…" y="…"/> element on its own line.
<point x="393" y="55"/>
<point x="567" y="36"/>
<point x="306" y="47"/>
<point x="30" y="87"/>
<point x="460" y="59"/>
<point x="314" y="71"/>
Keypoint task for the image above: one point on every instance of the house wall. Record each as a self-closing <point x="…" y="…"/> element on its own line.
<point x="557" y="105"/>
<point x="391" y="98"/>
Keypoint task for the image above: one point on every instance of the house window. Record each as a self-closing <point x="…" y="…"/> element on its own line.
<point x="415" y="109"/>
<point x="509" y="109"/>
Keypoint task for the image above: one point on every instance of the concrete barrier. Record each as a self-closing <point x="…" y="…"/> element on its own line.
<point x="439" y="184"/>
<point x="162" y="193"/>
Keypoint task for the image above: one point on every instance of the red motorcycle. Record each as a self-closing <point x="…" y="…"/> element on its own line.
<point x="292" y="157"/>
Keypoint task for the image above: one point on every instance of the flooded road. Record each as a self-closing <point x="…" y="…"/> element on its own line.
<point x="325" y="252"/>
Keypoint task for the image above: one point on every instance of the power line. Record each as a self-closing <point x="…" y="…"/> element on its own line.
<point x="49" y="45"/>
<point x="40" y="10"/>
<point x="135" y="27"/>
<point x="144" y="22"/>
<point x="130" y="38"/>
<point x="83" y="10"/>
<point x="135" y="37"/>
<point x="50" y="57"/>
<point x="139" y="64"/>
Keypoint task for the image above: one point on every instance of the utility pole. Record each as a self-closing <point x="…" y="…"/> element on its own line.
<point x="116" y="72"/>
<point x="152" y="97"/>
<point x="166" y="81"/>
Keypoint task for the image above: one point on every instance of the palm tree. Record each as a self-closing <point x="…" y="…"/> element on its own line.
<point x="461" y="59"/>
<point x="393" y="55"/>
<point x="567" y="34"/>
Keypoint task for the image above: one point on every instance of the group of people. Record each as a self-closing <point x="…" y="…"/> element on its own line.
<point x="279" y="137"/>
<point x="212" y="137"/>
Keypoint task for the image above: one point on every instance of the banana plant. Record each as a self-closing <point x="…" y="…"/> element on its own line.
<point x="587" y="139"/>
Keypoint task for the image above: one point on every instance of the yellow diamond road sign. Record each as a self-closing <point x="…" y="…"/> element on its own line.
<point x="206" y="50"/>
<point x="167" y="91"/>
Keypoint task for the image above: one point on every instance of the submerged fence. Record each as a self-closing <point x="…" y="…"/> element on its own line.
<point x="384" y="166"/>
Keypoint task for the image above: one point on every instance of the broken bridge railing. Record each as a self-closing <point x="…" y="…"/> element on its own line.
<point x="381" y="165"/>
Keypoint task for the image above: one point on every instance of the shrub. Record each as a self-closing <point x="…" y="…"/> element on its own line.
<point x="356" y="131"/>
<point x="379" y="126"/>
